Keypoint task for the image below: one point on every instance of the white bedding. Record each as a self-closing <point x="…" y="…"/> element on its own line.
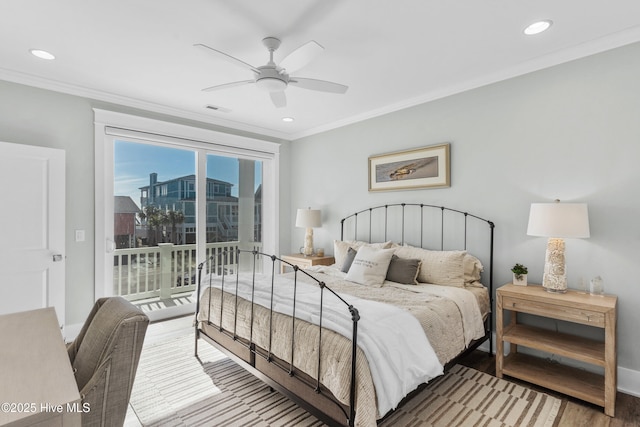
<point x="398" y="362"/>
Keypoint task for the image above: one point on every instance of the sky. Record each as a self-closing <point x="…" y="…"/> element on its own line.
<point x="133" y="162"/>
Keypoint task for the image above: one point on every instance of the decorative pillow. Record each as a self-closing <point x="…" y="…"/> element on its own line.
<point x="351" y="254"/>
<point x="370" y="266"/>
<point x="403" y="270"/>
<point x="472" y="269"/>
<point x="438" y="267"/>
<point x="340" y="248"/>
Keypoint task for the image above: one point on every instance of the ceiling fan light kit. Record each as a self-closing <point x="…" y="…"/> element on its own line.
<point x="273" y="78"/>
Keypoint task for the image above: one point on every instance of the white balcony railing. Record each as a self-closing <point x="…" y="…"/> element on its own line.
<point x="167" y="269"/>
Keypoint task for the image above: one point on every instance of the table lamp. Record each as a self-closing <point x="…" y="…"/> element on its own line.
<point x="308" y="218"/>
<point x="557" y="221"/>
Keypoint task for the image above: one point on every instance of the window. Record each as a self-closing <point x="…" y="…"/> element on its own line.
<point x="219" y="198"/>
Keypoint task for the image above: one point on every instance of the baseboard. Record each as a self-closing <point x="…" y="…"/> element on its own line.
<point x="628" y="379"/>
<point x="485" y="346"/>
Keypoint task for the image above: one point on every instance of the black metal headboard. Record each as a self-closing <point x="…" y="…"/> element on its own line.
<point x="448" y="228"/>
<point x="427" y="226"/>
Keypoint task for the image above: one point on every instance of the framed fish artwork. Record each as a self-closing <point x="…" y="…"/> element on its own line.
<point x="426" y="167"/>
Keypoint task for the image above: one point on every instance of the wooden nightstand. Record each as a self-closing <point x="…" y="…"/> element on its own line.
<point x="305" y="261"/>
<point x="573" y="306"/>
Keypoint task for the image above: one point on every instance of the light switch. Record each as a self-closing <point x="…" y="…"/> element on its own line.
<point x="79" y="235"/>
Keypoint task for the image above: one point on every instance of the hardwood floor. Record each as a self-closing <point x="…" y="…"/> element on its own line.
<point x="573" y="412"/>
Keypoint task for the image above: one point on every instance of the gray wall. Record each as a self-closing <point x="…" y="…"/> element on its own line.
<point x="570" y="132"/>
<point x="49" y="119"/>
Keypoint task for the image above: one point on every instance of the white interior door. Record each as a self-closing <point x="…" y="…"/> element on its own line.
<point x="32" y="225"/>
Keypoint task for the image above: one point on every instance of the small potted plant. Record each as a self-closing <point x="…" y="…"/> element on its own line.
<point x="519" y="275"/>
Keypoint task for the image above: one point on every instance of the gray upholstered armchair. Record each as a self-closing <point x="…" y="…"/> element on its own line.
<point x="105" y="358"/>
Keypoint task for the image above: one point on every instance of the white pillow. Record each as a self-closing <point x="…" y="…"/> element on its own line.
<point x="438" y="267"/>
<point x="370" y="266"/>
<point x="340" y="248"/>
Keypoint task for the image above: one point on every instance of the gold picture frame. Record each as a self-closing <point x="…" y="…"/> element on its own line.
<point x="426" y="167"/>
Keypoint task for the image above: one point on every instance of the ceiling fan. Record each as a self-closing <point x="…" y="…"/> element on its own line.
<point x="274" y="78"/>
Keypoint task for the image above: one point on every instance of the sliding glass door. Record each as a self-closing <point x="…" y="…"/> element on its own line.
<point x="154" y="232"/>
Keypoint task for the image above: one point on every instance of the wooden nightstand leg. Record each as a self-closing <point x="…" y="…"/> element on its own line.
<point x="499" y="343"/>
<point x="610" y="362"/>
<point x="513" y="348"/>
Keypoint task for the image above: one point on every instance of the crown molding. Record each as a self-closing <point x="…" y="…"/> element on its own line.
<point x="561" y="56"/>
<point x="84" y="92"/>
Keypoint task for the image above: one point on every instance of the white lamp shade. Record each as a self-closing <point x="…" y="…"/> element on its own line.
<point x="308" y="218"/>
<point x="563" y="220"/>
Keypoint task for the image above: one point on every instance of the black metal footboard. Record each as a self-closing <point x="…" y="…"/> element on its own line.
<point x="279" y="374"/>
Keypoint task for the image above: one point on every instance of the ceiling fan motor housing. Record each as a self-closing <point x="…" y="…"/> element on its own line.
<point x="271" y="80"/>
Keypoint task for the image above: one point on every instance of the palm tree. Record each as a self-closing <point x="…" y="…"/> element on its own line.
<point x="153" y="217"/>
<point x="174" y="218"/>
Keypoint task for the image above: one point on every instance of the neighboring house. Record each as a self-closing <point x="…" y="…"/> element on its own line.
<point x="179" y="194"/>
<point x="124" y="227"/>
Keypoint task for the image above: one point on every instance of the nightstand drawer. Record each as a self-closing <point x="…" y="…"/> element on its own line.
<point x="570" y="314"/>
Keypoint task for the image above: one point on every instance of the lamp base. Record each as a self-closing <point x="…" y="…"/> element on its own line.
<point x="555" y="278"/>
<point x="308" y="242"/>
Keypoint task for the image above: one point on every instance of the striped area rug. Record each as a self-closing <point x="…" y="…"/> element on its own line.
<point x="172" y="388"/>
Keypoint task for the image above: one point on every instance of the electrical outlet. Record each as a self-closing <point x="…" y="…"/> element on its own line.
<point x="79" y="235"/>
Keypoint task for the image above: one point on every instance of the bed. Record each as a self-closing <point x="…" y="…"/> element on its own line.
<point x="329" y="337"/>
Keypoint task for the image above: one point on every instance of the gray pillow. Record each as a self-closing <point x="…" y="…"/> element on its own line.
<point x="403" y="270"/>
<point x="348" y="260"/>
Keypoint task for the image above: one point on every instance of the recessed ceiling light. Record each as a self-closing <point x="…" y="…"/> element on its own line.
<point x="538" y="27"/>
<point x="42" y="54"/>
<point x="288" y="119"/>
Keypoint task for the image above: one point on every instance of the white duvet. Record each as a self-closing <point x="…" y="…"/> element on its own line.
<point x="399" y="362"/>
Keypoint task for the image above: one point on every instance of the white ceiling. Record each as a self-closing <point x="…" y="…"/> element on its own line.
<point x="391" y="54"/>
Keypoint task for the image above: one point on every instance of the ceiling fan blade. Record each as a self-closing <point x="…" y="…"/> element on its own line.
<point x="319" y="85"/>
<point x="301" y="56"/>
<point x="227" y="85"/>
<point x="227" y="57"/>
<point x="279" y="99"/>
